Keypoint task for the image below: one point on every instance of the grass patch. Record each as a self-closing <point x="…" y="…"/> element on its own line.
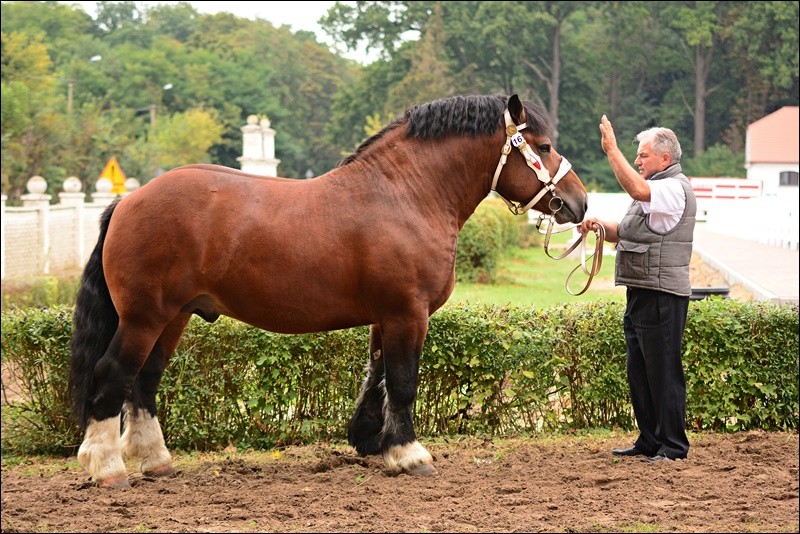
<point x="529" y="277"/>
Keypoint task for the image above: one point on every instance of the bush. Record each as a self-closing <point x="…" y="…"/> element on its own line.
<point x="35" y="357"/>
<point x="484" y="369"/>
<point x="491" y="230"/>
<point x="40" y="291"/>
<point x="742" y="365"/>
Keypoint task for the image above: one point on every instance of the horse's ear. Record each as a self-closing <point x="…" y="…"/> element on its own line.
<point x="516" y="109"/>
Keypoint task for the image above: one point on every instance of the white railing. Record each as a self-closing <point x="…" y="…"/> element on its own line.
<point x="772" y="220"/>
<point x="43" y="238"/>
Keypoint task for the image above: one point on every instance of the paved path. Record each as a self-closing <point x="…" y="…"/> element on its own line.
<point x="769" y="272"/>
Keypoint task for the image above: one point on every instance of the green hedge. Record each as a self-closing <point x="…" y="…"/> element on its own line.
<point x="486" y="234"/>
<point x="485" y="369"/>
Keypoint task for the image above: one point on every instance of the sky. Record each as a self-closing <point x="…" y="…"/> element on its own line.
<point x="299" y="15"/>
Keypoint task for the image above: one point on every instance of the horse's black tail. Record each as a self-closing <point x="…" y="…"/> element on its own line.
<point x="94" y="324"/>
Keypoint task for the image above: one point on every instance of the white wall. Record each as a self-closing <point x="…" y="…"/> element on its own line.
<point x="769" y="174"/>
<point x="40" y="238"/>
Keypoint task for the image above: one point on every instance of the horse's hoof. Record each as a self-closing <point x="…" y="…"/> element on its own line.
<point x="117" y="482"/>
<point x="163" y="471"/>
<point x="422" y="470"/>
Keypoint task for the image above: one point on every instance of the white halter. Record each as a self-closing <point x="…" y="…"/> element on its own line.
<point x="513" y="137"/>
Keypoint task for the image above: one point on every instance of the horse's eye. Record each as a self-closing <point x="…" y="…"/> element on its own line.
<point x="544" y="149"/>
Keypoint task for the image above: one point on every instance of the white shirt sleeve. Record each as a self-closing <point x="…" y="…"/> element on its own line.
<point x="667" y="202"/>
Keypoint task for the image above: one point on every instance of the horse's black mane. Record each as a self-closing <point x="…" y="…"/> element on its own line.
<point x="458" y="115"/>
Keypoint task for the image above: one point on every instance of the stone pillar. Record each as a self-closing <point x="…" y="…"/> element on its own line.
<point x="73" y="196"/>
<point x="36" y="198"/>
<point x="258" y="148"/>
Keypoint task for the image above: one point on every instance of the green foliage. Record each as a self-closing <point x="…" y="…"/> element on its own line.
<point x="741" y="365"/>
<point x="35" y="357"/>
<point x="39" y="292"/>
<point x="623" y="59"/>
<point x="586" y="352"/>
<point x="229" y="381"/>
<point x="485" y="235"/>
<point x="484" y="369"/>
<point x="185" y="138"/>
<point x="718" y="160"/>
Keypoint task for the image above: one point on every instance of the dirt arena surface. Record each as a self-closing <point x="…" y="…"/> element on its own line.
<point x="743" y="482"/>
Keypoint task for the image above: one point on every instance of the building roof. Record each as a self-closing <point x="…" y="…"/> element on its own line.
<point x="775" y="138"/>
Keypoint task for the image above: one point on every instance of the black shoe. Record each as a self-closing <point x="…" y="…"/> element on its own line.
<point x="658" y="458"/>
<point x="633" y="451"/>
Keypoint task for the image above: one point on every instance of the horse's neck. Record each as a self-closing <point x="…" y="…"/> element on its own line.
<point x="449" y="176"/>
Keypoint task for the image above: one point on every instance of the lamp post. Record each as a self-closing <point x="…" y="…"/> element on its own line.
<point x="71" y="84"/>
<point x="166" y="87"/>
<point x="157" y="168"/>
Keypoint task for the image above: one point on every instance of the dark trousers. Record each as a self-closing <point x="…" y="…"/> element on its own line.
<point x="654" y="323"/>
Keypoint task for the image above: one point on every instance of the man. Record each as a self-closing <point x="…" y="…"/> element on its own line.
<point x="654" y="247"/>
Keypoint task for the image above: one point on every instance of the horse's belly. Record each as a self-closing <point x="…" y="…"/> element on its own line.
<point x="287" y="322"/>
<point x="294" y="313"/>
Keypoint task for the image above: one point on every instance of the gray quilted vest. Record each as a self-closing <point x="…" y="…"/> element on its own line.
<point x="652" y="260"/>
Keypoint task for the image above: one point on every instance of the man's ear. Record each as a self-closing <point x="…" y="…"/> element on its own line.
<point x="516" y="109"/>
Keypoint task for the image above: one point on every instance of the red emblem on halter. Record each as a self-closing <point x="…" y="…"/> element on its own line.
<point x="536" y="161"/>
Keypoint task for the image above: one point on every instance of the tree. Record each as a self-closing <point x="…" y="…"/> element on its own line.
<point x="579" y="59"/>
<point x="428" y="78"/>
<point x="701" y="26"/>
<point x="764" y="50"/>
<point x="184" y="138"/>
<point x="30" y="118"/>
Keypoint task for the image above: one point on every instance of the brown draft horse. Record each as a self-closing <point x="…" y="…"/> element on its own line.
<point x="372" y="242"/>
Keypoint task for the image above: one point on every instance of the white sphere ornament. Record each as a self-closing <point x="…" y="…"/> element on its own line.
<point x="72" y="185"/>
<point x="131" y="184"/>
<point x="36" y="185"/>
<point x="103" y="185"/>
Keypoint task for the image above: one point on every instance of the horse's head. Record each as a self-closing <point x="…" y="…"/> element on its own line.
<point x="531" y="174"/>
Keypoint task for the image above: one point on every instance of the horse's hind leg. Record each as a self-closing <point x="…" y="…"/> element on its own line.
<point x="364" y="430"/>
<point x="114" y="376"/>
<point x="402" y="346"/>
<point x="143" y="437"/>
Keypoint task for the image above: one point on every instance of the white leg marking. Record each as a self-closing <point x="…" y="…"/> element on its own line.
<point x="100" y="452"/>
<point x="403" y="458"/>
<point x="143" y="439"/>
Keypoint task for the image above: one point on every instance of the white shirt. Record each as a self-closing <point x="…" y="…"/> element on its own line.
<point x="667" y="202"/>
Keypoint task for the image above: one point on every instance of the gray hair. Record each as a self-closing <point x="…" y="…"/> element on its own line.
<point x="662" y="140"/>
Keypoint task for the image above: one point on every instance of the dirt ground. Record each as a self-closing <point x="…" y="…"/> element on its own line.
<point x="744" y="482"/>
<point x="703" y="275"/>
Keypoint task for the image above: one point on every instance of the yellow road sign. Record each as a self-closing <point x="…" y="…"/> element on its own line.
<point x="113" y="172"/>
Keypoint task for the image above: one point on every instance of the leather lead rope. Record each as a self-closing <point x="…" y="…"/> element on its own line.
<point x="597" y="256"/>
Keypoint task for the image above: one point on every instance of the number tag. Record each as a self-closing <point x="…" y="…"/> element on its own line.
<point x="517" y="140"/>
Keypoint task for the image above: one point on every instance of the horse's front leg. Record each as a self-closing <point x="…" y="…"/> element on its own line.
<point x="402" y="346"/>
<point x="364" y="430"/>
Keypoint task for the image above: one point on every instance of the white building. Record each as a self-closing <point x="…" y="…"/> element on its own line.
<point x="772" y="158"/>
<point x="772" y="152"/>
